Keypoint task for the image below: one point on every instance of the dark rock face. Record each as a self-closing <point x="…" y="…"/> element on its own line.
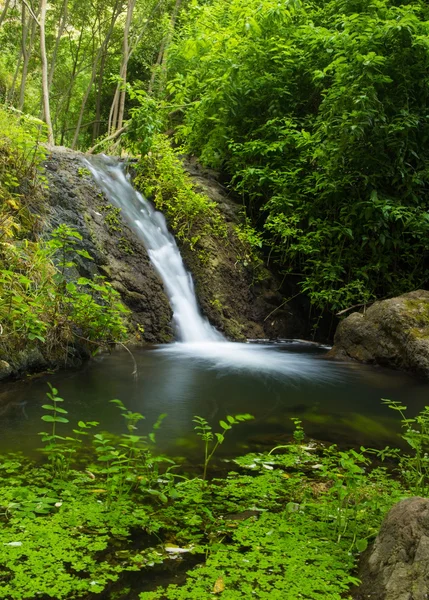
<point x="74" y="199"/>
<point x="397" y="566"/>
<point x="394" y="333"/>
<point x="228" y="294"/>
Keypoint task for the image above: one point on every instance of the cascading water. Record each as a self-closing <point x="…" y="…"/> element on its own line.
<point x="161" y="246"/>
<point x="198" y="340"/>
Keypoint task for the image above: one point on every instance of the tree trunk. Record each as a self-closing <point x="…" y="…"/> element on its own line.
<point x="103" y="48"/>
<point x="70" y="89"/>
<point x="4" y="12"/>
<point x="117" y="110"/>
<point x="96" y="128"/>
<point x="61" y="27"/>
<point x="26" y="52"/>
<point x="126" y="56"/>
<point x="162" y="55"/>
<point x="45" y="84"/>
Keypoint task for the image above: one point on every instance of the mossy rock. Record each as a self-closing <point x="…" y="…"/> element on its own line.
<point x="393" y="333"/>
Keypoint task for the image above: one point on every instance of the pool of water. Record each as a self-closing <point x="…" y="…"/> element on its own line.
<point x="337" y="402"/>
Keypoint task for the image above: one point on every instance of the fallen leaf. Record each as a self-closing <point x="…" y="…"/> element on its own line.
<point x="219" y="586"/>
<point x="176" y="550"/>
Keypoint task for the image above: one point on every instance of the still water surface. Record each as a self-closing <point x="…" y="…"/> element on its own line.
<point x="337" y="402"/>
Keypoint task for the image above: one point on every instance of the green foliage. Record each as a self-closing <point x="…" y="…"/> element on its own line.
<point x="414" y="467"/>
<point x="48" y="309"/>
<point x="268" y="558"/>
<point x="211" y="440"/>
<point x="161" y="175"/>
<point x="112" y="217"/>
<point x="146" y="122"/>
<point x="318" y="113"/>
<point x="21" y="156"/>
<point x="288" y="524"/>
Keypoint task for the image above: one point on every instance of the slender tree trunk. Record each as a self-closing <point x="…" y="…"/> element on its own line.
<point x="103" y="48"/>
<point x="169" y="38"/>
<point x="155" y="68"/>
<point x="117" y="110"/>
<point x="126" y="56"/>
<point x="162" y="55"/>
<point x="61" y="27"/>
<point x="96" y="128"/>
<point x="70" y="89"/>
<point x="4" y="12"/>
<point x="24" y="33"/>
<point x="26" y="53"/>
<point x="45" y="84"/>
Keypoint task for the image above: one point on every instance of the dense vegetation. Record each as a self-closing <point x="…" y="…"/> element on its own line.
<point x="44" y="305"/>
<point x="315" y="115"/>
<point x="316" y="112"/>
<point x="286" y="524"/>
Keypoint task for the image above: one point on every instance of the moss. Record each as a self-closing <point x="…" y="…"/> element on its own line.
<point x="419" y="310"/>
<point x="112" y="217"/>
<point x="124" y="246"/>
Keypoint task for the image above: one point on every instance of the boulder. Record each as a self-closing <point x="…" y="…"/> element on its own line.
<point x="397" y="566"/>
<point x="393" y="333"/>
<point x="5" y="370"/>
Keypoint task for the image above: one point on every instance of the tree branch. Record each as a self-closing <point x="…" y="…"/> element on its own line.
<point x="108" y="139"/>
<point x="30" y="10"/>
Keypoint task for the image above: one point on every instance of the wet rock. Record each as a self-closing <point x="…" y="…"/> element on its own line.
<point x="240" y="302"/>
<point x="74" y="198"/>
<point x="396" y="567"/>
<point x="5" y="370"/>
<point x="393" y="333"/>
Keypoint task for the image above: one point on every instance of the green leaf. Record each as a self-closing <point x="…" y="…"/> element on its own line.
<point x="361" y="545"/>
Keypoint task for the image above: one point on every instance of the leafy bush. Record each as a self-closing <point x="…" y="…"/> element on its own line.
<point x="21" y="156"/>
<point x="40" y="305"/>
<point x="318" y="113"/>
<point x="287" y="524"/>
<point x="162" y="177"/>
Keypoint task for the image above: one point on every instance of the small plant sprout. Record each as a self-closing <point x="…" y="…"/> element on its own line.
<point x="212" y="440"/>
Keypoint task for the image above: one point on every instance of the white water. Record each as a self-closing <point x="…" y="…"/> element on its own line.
<point x="150" y="226"/>
<point x="199" y="341"/>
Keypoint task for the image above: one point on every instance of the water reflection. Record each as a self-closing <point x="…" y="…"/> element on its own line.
<point x="337" y="402"/>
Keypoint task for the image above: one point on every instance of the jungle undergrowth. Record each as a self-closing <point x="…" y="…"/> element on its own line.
<point x="285" y="524"/>
<point x="44" y="305"/>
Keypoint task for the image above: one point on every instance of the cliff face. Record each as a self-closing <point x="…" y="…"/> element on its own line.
<point x="74" y="198"/>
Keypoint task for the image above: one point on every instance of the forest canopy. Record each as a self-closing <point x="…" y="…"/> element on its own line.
<point x="314" y="112"/>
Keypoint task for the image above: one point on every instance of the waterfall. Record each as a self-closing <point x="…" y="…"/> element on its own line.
<point x="150" y="226"/>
